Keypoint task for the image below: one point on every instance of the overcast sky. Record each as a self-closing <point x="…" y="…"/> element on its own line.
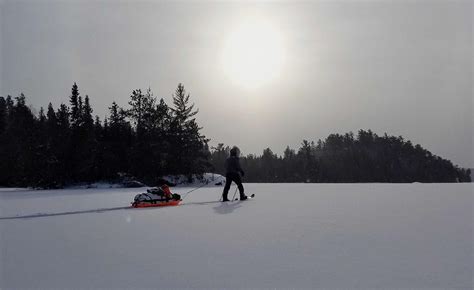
<point x="401" y="67"/>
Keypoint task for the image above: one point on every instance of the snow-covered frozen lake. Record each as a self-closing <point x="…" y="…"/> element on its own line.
<point x="289" y="236"/>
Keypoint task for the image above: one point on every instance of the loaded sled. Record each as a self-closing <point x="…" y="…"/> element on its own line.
<point x="159" y="196"/>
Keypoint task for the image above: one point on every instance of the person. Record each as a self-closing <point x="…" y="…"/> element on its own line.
<point x="233" y="173"/>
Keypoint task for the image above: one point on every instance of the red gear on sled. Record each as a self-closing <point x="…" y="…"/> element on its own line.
<point x="166" y="190"/>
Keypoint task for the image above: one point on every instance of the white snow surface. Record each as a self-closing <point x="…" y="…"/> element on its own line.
<point x="289" y="236"/>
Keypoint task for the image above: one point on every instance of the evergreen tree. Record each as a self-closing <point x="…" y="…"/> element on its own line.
<point x="75" y="107"/>
<point x="62" y="143"/>
<point x="141" y="111"/>
<point x="3" y="115"/>
<point x="117" y="142"/>
<point x="41" y="116"/>
<point x="98" y="129"/>
<point x="87" y="115"/>
<point x="21" y="136"/>
<point x="290" y="170"/>
<point x="183" y="111"/>
<point x="51" y="121"/>
<point x="188" y="146"/>
<point x="88" y="143"/>
<point x="3" y="142"/>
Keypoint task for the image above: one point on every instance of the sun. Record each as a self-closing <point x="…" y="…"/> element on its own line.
<point x="253" y="54"/>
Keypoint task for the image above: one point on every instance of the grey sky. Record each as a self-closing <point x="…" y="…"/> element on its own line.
<point x="401" y="67"/>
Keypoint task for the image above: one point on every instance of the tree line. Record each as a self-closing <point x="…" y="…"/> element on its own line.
<point x="68" y="145"/>
<point x="149" y="139"/>
<point x="366" y="157"/>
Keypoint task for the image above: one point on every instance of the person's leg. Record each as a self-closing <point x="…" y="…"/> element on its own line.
<point x="238" y="180"/>
<point x="228" y="181"/>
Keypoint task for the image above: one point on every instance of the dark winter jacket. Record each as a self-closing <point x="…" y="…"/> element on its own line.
<point x="232" y="165"/>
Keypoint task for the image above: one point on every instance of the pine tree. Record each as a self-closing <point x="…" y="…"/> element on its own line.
<point x="51" y="121"/>
<point x="80" y="117"/>
<point x="9" y="104"/>
<point x="75" y="107"/>
<point x="98" y="129"/>
<point x="161" y="119"/>
<point x="290" y="169"/>
<point x="3" y="143"/>
<point x="87" y="143"/>
<point x="141" y="111"/>
<point x="3" y="115"/>
<point x="21" y="132"/>
<point x="182" y="109"/>
<point x="117" y="142"/>
<point x="62" y="142"/>
<point x="188" y="146"/>
<point x="87" y="115"/>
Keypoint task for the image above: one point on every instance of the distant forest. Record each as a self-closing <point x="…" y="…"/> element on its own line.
<point x="366" y="157"/>
<point x="150" y="139"/>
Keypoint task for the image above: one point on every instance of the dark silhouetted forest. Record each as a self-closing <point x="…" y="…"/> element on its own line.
<point x="366" y="157"/>
<point x="67" y="145"/>
<point x="149" y="139"/>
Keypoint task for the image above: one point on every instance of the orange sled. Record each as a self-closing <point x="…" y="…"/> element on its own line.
<point x="155" y="203"/>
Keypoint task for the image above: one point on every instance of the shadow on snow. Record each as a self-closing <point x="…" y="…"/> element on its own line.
<point x="222" y="208"/>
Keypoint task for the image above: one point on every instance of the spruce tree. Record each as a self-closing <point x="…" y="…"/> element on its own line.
<point x="183" y="111"/>
<point x="87" y="167"/>
<point x="9" y="104"/>
<point x="3" y="142"/>
<point x="62" y="142"/>
<point x="98" y="129"/>
<point x="117" y="142"/>
<point x="51" y="121"/>
<point x="3" y="115"/>
<point x="188" y="146"/>
<point x="21" y="130"/>
<point x="74" y="102"/>
<point x="87" y="115"/>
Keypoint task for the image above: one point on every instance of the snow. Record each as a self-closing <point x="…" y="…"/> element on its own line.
<point x="7" y="189"/>
<point x="289" y="236"/>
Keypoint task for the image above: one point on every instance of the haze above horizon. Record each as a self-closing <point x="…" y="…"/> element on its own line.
<point x="261" y="74"/>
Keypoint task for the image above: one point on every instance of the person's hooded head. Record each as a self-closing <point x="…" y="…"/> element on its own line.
<point x="235" y="151"/>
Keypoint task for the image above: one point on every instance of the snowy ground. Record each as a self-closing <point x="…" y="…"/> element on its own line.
<point x="289" y="236"/>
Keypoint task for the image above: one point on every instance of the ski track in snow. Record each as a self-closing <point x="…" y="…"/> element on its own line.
<point x="37" y="215"/>
<point x="100" y="210"/>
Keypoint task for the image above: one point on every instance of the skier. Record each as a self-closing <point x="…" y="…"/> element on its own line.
<point x="233" y="173"/>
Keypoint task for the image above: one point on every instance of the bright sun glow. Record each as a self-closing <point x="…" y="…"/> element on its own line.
<point x="253" y="54"/>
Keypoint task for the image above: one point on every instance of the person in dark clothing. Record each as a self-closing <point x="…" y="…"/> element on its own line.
<point x="233" y="173"/>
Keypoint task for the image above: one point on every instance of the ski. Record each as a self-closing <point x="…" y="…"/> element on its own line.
<point x="237" y="199"/>
<point x="248" y="197"/>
